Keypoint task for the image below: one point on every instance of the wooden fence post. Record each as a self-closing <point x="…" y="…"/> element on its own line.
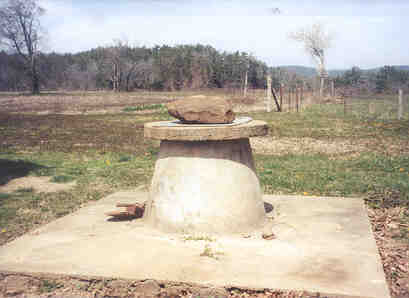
<point x="245" y="84"/>
<point x="289" y="99"/>
<point x="400" y="103"/>
<point x="371" y="108"/>
<point x="268" y="103"/>
<point x="281" y="96"/>
<point x="297" y="97"/>
<point x="332" y="89"/>
<point x="345" y="105"/>
<point x="322" y="82"/>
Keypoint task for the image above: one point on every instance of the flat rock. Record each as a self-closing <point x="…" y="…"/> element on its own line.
<point x="198" y="110"/>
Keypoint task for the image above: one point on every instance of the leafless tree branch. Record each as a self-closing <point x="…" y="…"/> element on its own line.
<point x="20" y="31"/>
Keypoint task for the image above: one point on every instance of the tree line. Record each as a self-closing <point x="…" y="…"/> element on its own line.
<point x="121" y="67"/>
<point x="387" y="79"/>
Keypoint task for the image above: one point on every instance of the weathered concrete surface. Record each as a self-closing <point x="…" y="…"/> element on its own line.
<point x="194" y="133"/>
<point x="323" y="244"/>
<point x="198" y="110"/>
<point x="205" y="187"/>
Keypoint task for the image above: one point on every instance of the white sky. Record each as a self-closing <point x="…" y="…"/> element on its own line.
<point x="368" y="33"/>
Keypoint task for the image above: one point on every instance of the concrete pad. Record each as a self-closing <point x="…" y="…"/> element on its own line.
<point x="323" y="244"/>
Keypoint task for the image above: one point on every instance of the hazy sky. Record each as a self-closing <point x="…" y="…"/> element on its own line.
<point x="367" y="33"/>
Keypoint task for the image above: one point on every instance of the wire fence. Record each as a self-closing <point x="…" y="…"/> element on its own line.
<point x="376" y="107"/>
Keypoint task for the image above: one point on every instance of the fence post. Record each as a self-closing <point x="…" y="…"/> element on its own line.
<point x="332" y="89"/>
<point x="245" y="84"/>
<point x="400" y="108"/>
<point x="289" y="98"/>
<point x="371" y="108"/>
<point x="281" y="96"/>
<point x="345" y="105"/>
<point x="322" y="82"/>
<point x="268" y="103"/>
<point x="297" y="97"/>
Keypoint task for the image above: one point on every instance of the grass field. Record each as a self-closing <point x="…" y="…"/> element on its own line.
<point x="65" y="139"/>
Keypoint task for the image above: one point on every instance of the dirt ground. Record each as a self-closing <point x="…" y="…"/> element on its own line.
<point x="38" y="184"/>
<point x="386" y="219"/>
<point x="41" y="285"/>
<point x="77" y="102"/>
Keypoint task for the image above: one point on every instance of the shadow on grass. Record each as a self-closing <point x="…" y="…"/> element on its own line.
<point x="11" y="169"/>
<point x="29" y="94"/>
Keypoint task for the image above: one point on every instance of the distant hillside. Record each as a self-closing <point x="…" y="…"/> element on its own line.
<point x="336" y="72"/>
<point x="299" y="70"/>
<point x="398" y="67"/>
<point x="311" y="72"/>
<point x="403" y="67"/>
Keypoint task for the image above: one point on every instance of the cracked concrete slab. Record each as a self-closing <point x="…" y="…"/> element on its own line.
<point x="321" y="244"/>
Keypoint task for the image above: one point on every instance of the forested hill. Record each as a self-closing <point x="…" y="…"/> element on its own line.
<point x="125" y="68"/>
<point x="122" y="67"/>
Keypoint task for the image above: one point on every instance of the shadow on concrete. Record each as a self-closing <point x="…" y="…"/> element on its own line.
<point x="120" y="219"/>
<point x="12" y="169"/>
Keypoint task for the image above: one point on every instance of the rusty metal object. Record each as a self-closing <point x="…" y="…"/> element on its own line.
<point x="135" y="210"/>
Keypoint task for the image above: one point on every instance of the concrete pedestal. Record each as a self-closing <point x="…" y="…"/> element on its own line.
<point x="205" y="186"/>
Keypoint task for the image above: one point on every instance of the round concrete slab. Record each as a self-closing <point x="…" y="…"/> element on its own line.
<point x="161" y="131"/>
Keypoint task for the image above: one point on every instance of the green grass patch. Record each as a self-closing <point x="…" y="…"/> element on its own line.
<point x="319" y="174"/>
<point x="329" y="122"/>
<point x="124" y="158"/>
<point x="47" y="286"/>
<point x="62" y="179"/>
<point x="4" y="195"/>
<point x="25" y="190"/>
<point x="144" y="107"/>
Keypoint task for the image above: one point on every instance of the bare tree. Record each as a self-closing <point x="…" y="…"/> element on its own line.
<point x="20" y="31"/>
<point x="316" y="41"/>
<point x="124" y="60"/>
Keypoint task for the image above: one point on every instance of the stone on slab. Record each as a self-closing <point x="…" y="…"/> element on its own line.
<point x="199" y="110"/>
